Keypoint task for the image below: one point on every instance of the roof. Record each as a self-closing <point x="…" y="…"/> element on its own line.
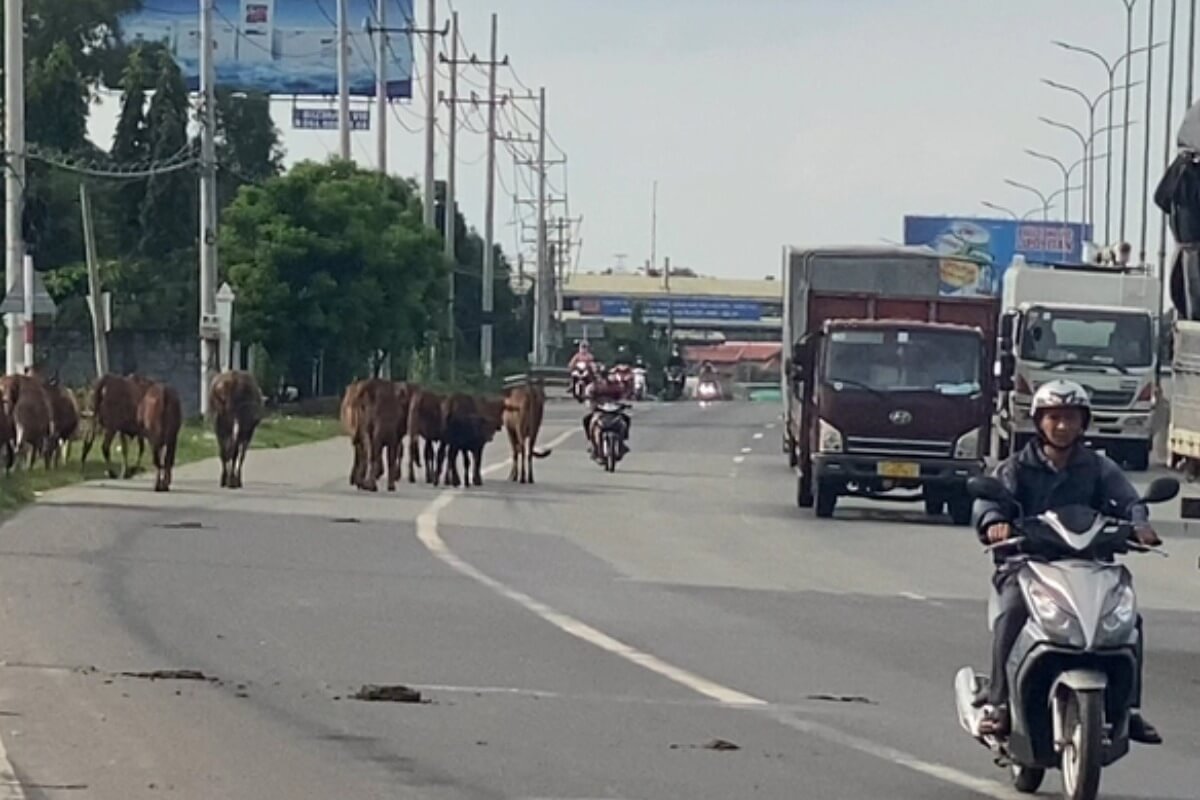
<point x="888" y="324"/>
<point x="650" y="286"/>
<point x="910" y="251"/>
<point x="735" y="352"/>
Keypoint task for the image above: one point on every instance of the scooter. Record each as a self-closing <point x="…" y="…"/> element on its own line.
<point x="611" y="428"/>
<point x="674" y="380"/>
<point x="581" y="376"/>
<point x="708" y="390"/>
<point x="1072" y="673"/>
<point x="639" y="383"/>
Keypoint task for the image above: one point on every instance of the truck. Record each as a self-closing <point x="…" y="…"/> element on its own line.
<point x="888" y="380"/>
<point x="1086" y="323"/>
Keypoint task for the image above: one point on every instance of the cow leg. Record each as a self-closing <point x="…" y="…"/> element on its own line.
<point x="106" y="451"/>
<point x="141" y="451"/>
<point x="242" y="448"/>
<point x="435" y="463"/>
<point x="528" y="448"/>
<point x="356" y="462"/>
<point x="515" y="445"/>
<point x="374" y="457"/>
<point x="477" y="457"/>
<point x="89" y="438"/>
<point x="413" y="458"/>
<point x="395" y="460"/>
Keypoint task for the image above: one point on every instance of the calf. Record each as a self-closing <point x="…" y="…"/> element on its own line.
<point x="236" y="404"/>
<point x="160" y="416"/>
<point x="470" y="423"/>
<point x="523" y="409"/>
<point x="115" y="401"/>
<point x="425" y="424"/>
<point x="24" y="401"/>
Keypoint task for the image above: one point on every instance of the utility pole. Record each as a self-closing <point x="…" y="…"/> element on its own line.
<point x="1168" y="150"/>
<point x="430" y="109"/>
<point x="381" y="87"/>
<point x="543" y="266"/>
<point x="209" y="329"/>
<point x="1146" y="144"/>
<point x="654" y="226"/>
<point x="489" y="224"/>
<point x="1129" y="4"/>
<point x="343" y="70"/>
<point x="670" y="302"/>
<point x="14" y="174"/>
<point x="449" y="233"/>
<point x="95" y="292"/>
<point x="1191" y="53"/>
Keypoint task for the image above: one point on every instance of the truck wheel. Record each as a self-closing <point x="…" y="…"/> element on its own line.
<point x="960" y="510"/>
<point x="804" y="493"/>
<point x="826" y="499"/>
<point x="1137" y="457"/>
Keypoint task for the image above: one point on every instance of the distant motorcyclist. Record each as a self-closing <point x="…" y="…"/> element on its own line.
<point x="1055" y="470"/>
<point x="675" y="360"/>
<point x="582" y="356"/>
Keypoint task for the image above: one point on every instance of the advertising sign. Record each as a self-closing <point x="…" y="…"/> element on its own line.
<point x="976" y="251"/>
<point x="281" y="47"/>
<point x="684" y="308"/>
<point x="326" y="119"/>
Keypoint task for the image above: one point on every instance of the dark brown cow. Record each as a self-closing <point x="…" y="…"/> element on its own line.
<point x="470" y="423"/>
<point x="160" y="416"/>
<point x="64" y="410"/>
<point x="425" y="424"/>
<point x="523" y="410"/>
<point x="24" y="401"/>
<point x="115" y="401"/>
<point x="236" y="404"/>
<point x="7" y="439"/>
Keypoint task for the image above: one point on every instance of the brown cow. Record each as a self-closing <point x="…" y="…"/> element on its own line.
<point x="377" y="411"/>
<point x="7" y="439"/>
<point x="25" y="403"/>
<point x="160" y="416"/>
<point x="115" y="401"/>
<point x="425" y="422"/>
<point x="236" y="404"/>
<point x="349" y="416"/>
<point x="523" y="409"/>
<point x="64" y="425"/>
<point x="470" y="423"/>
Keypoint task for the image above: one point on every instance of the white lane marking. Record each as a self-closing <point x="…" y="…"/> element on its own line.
<point x="747" y="449"/>
<point x="427" y="533"/>
<point x="10" y="787"/>
<point x="738" y="459"/>
<point x="758" y="435"/>
<point x="914" y="596"/>
<point x="770" y="426"/>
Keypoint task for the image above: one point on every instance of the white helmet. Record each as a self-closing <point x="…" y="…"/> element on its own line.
<point x="1061" y="394"/>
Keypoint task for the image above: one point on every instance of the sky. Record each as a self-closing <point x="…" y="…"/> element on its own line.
<point x="774" y="122"/>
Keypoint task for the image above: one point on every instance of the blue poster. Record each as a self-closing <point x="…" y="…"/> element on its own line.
<point x="977" y="251"/>
<point x="684" y="308"/>
<point x="281" y="47"/>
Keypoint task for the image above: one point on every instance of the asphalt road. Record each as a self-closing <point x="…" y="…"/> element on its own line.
<point x="586" y="637"/>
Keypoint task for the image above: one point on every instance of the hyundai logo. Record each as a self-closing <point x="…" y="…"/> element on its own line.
<point x="900" y="417"/>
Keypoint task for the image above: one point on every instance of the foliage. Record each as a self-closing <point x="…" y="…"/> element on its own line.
<point x="332" y="260"/>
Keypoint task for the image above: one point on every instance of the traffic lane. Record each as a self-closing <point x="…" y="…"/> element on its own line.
<point x="583" y="570"/>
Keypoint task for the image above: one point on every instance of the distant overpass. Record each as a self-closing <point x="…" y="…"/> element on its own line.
<point x="704" y="309"/>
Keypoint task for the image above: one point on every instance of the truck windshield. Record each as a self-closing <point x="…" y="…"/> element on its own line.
<point x="1064" y="335"/>
<point x="947" y="362"/>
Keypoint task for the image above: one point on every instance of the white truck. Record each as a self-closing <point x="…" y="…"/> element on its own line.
<point x="1092" y="325"/>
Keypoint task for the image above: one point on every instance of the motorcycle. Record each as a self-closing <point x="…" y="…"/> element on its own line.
<point x="639" y="383"/>
<point x="609" y="434"/>
<point x="622" y="375"/>
<point x="581" y="376"/>
<point x="1073" y="671"/>
<point x="674" y="379"/>
<point x="708" y="390"/>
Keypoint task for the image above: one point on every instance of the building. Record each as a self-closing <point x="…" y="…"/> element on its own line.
<point x="701" y="309"/>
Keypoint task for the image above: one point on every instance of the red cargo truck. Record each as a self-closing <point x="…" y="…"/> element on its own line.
<point x="888" y="391"/>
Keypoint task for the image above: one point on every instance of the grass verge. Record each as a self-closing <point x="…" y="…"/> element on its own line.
<point x="196" y="443"/>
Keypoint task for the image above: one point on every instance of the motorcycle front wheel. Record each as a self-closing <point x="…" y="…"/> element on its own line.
<point x="1083" y="722"/>
<point x="1027" y="780"/>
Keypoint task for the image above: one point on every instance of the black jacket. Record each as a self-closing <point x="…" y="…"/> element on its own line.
<point x="1090" y="479"/>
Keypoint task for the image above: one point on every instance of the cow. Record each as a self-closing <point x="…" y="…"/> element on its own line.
<point x="425" y="424"/>
<point x="160" y="416"/>
<point x="469" y="424"/>
<point x="376" y="412"/>
<point x="523" y="409"/>
<point x="7" y="439"/>
<point x="115" y="401"/>
<point x="64" y="413"/>
<point x="24" y="401"/>
<point x="349" y="417"/>
<point x="236" y="404"/>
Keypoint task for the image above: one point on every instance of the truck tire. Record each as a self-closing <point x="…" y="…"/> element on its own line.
<point x="1137" y="457"/>
<point x="804" y="492"/>
<point x="960" y="510"/>
<point x="826" y="498"/>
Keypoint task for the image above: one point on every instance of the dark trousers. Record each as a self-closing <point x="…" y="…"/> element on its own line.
<point x="1013" y="616"/>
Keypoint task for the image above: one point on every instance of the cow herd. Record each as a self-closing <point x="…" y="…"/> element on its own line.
<point x="380" y="416"/>
<point x="39" y="418"/>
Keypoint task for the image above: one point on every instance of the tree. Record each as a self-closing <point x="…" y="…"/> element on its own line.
<point x="334" y="261"/>
<point x="131" y="146"/>
<point x="248" y="146"/>
<point x="169" y="213"/>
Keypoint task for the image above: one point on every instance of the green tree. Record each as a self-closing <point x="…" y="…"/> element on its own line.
<point x="248" y="143"/>
<point x="131" y="146"/>
<point x="330" y="260"/>
<point x="169" y="214"/>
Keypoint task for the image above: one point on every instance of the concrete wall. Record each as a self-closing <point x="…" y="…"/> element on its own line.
<point x="169" y="357"/>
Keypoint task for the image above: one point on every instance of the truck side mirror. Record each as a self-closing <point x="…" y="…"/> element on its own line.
<point x="1006" y="366"/>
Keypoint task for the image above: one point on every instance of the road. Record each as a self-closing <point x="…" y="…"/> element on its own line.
<point x="588" y="637"/>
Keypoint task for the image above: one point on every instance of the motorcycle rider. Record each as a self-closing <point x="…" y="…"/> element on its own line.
<point x="675" y="360"/>
<point x="1054" y="470"/>
<point x="606" y="391"/>
<point x="582" y="356"/>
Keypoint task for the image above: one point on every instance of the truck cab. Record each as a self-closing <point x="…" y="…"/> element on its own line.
<point x="1095" y="327"/>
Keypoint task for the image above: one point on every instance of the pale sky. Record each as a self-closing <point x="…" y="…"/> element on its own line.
<point x="772" y="122"/>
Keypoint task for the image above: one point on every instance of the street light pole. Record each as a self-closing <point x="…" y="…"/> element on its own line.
<point x="1037" y="192"/>
<point x="1066" y="180"/>
<point x="1129" y="4"/>
<point x="1146" y="140"/>
<point x="1084" y="143"/>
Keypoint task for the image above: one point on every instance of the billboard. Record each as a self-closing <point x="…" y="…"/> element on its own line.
<point x="281" y="47"/>
<point x="684" y="308"/>
<point x="326" y="119"/>
<point x="978" y="250"/>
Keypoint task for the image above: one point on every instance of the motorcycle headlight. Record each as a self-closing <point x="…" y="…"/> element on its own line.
<point x="1120" y="614"/>
<point x="1059" y="624"/>
<point x="967" y="445"/>
<point x="829" y="438"/>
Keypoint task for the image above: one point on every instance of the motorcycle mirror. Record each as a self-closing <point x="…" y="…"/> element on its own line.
<point x="987" y="488"/>
<point x="1161" y="490"/>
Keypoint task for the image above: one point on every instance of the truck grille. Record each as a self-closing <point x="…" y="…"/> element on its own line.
<point x="1114" y="397"/>
<point x="913" y="448"/>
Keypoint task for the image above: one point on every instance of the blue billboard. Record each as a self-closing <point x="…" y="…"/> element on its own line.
<point x="281" y="47"/>
<point x="978" y="250"/>
<point x="684" y="308"/>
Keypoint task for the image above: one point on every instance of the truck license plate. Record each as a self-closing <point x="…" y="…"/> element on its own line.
<point x="898" y="469"/>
